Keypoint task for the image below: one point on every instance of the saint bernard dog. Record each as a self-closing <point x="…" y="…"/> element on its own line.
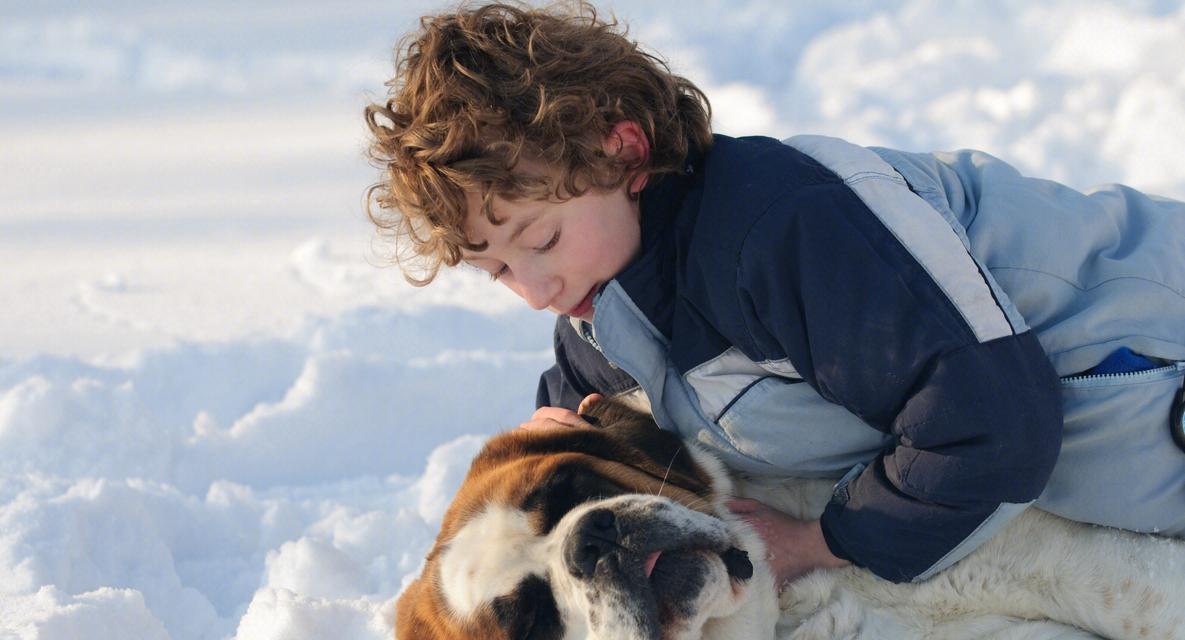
<point x="620" y="532"/>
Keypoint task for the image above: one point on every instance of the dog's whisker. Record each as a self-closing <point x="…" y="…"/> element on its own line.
<point x="695" y="504"/>
<point x="668" y="472"/>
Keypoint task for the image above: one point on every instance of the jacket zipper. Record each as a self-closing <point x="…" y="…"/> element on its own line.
<point x="1129" y="375"/>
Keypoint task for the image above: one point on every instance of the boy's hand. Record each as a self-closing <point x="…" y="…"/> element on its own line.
<point x="795" y="547"/>
<point x="553" y="417"/>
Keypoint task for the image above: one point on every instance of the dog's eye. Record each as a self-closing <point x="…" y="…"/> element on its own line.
<point x="529" y="612"/>
<point x="567" y="488"/>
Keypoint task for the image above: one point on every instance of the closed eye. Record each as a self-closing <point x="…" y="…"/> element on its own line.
<point x="493" y="275"/>
<point x="568" y="487"/>
<point x="529" y="612"/>
<point x="555" y="238"/>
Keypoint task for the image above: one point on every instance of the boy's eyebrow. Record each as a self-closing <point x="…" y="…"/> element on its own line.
<point x="522" y="225"/>
<point x="519" y="228"/>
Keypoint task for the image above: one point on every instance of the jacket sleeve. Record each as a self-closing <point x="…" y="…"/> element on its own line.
<point x="580" y="369"/>
<point x="886" y="316"/>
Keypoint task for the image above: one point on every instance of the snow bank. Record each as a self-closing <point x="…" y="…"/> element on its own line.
<point x="255" y="485"/>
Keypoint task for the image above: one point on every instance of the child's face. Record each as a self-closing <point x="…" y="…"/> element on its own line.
<point x="556" y="255"/>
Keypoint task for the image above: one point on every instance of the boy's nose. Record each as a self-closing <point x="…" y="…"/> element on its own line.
<point x="540" y="292"/>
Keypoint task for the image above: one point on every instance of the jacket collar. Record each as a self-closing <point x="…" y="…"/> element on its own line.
<point x="650" y="278"/>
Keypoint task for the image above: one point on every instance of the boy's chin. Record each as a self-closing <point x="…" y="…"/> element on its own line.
<point x="588" y="317"/>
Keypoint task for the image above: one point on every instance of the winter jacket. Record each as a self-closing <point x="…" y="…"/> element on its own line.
<point x="924" y="327"/>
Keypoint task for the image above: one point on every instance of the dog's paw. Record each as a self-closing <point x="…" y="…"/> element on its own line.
<point x="841" y="616"/>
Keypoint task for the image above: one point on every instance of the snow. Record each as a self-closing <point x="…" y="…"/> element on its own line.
<point x="223" y="417"/>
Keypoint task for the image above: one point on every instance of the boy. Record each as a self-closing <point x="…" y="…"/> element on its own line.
<point x="897" y="321"/>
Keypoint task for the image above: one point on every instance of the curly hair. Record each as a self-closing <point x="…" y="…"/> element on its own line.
<point x="477" y="89"/>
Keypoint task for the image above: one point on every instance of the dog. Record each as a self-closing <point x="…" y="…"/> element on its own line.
<point x="620" y="531"/>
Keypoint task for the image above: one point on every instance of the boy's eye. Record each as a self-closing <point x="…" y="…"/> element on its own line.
<point x="555" y="237"/>
<point x="494" y="275"/>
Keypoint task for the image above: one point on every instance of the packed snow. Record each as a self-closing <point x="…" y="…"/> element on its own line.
<point x="221" y="415"/>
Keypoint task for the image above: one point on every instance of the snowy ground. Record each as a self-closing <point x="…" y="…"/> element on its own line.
<point x="220" y="419"/>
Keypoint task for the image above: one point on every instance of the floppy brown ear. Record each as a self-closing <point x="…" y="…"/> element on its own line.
<point x="621" y="436"/>
<point x="663" y="452"/>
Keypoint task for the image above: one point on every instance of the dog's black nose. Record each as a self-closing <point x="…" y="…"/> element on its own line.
<point x="737" y="563"/>
<point x="594" y="537"/>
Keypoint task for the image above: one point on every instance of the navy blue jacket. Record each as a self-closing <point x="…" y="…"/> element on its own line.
<point x="800" y="315"/>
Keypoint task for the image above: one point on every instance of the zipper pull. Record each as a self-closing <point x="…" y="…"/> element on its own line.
<point x="1177" y="419"/>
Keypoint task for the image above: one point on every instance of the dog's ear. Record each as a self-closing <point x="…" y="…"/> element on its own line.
<point x="621" y="435"/>
<point x="664" y="452"/>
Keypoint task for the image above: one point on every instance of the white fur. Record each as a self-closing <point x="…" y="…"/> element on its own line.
<point x="488" y="558"/>
<point x="756" y="615"/>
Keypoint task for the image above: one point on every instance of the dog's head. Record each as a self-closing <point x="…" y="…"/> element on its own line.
<point x="617" y="531"/>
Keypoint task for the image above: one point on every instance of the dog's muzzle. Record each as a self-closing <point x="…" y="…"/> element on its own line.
<point x="595" y="536"/>
<point x="601" y="533"/>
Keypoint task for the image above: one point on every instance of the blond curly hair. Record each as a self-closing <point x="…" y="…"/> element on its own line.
<point x="477" y="89"/>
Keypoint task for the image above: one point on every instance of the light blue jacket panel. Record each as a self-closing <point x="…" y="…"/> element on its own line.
<point x="1090" y="273"/>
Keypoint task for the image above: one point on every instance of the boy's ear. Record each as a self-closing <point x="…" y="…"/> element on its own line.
<point x="627" y="141"/>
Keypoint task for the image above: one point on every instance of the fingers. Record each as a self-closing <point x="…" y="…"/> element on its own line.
<point x="546" y="423"/>
<point x="742" y="506"/>
<point x="553" y="418"/>
<point x="589" y="401"/>
<point x="558" y="414"/>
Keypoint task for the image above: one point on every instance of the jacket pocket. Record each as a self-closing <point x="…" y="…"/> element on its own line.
<point x="1119" y="465"/>
<point x="787" y="424"/>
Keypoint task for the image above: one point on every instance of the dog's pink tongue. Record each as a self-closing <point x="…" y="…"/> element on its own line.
<point x="650" y="562"/>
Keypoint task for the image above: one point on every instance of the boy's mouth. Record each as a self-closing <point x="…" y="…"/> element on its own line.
<point x="582" y="309"/>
